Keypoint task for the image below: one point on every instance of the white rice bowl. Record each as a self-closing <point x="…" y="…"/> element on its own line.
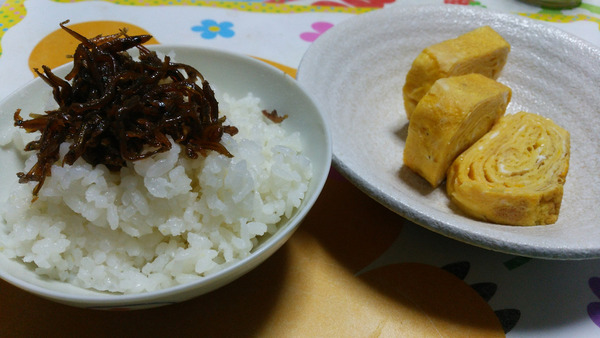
<point x="162" y="221"/>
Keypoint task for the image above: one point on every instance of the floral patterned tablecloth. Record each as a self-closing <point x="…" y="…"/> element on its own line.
<point x="383" y="274"/>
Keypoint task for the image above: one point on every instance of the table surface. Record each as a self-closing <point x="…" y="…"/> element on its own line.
<point x="386" y="272"/>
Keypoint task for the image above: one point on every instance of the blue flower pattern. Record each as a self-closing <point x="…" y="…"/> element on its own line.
<point x="210" y="29"/>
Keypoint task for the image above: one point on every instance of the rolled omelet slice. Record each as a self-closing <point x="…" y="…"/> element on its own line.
<point x="514" y="174"/>
<point x="480" y="51"/>
<point x="455" y="113"/>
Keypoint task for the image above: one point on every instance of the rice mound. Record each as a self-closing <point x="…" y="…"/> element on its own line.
<point x="161" y="221"/>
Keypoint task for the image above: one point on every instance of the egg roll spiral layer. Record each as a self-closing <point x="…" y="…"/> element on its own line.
<point x="514" y="174"/>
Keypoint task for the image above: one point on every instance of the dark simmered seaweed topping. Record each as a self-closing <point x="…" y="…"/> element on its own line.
<point x="113" y="109"/>
<point x="274" y="116"/>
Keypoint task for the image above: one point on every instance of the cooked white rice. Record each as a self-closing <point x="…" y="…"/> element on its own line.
<point x="162" y="221"/>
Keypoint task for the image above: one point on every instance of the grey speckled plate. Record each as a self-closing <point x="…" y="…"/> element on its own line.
<point x="357" y="69"/>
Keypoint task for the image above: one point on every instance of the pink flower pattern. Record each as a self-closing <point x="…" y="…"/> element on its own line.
<point x="320" y="27"/>
<point x="353" y="3"/>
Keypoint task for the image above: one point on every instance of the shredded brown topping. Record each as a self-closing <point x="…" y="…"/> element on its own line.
<point x="116" y="109"/>
<point x="273" y="116"/>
